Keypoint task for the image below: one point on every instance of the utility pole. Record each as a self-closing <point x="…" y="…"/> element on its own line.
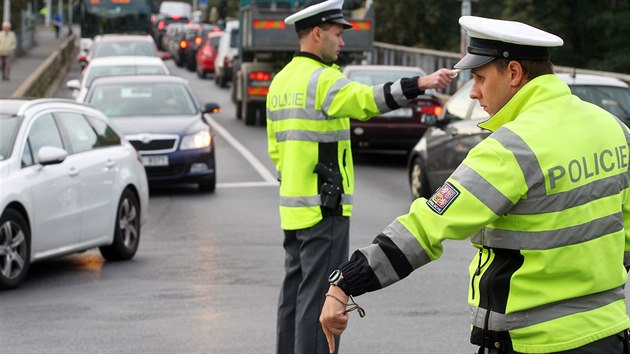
<point x="6" y="16"/>
<point x="464" y="40"/>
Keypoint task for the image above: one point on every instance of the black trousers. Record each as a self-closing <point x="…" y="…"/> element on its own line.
<point x="615" y="344"/>
<point x="310" y="256"/>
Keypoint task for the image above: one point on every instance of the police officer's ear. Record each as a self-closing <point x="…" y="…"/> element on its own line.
<point x="516" y="74"/>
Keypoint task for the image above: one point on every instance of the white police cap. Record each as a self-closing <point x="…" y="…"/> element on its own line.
<point x="313" y="15"/>
<point x="490" y="39"/>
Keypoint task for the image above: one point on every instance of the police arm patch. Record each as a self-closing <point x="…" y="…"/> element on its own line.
<point x="443" y="198"/>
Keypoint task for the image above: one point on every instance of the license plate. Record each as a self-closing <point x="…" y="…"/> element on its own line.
<point x="405" y="112"/>
<point x="157" y="160"/>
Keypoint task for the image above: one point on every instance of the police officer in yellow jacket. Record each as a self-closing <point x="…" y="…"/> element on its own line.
<point x="545" y="199"/>
<point x="308" y="106"/>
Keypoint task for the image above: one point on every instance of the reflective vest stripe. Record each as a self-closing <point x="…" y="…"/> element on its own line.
<point x="397" y="93"/>
<point x="311" y="90"/>
<point x="581" y="195"/>
<point x="525" y="158"/>
<point x="624" y="128"/>
<point x="297" y="113"/>
<point x="332" y="92"/>
<point x="506" y="322"/>
<point x="482" y="189"/>
<point x="544" y="240"/>
<point x="379" y="98"/>
<point x="383" y="268"/>
<point x="408" y="244"/>
<point x="311" y="201"/>
<point x="307" y="135"/>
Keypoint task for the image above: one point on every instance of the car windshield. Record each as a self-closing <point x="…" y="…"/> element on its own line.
<point x="375" y="77"/>
<point x="123" y="70"/>
<point x="8" y="129"/>
<point x="146" y="99"/>
<point x="615" y="100"/>
<point x="117" y="49"/>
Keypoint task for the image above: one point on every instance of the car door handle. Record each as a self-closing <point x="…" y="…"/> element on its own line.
<point x="73" y="172"/>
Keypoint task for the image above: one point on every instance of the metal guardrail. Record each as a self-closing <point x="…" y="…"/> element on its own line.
<point x="45" y="78"/>
<point x="431" y="60"/>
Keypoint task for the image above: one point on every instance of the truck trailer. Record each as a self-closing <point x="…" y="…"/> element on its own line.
<point x="267" y="44"/>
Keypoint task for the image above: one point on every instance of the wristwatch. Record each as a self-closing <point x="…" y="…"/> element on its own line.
<point x="335" y="277"/>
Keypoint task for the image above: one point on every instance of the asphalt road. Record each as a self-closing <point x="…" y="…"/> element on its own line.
<point x="207" y="274"/>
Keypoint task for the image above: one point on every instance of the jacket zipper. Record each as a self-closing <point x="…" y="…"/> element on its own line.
<point x="345" y="152"/>
<point x="478" y="270"/>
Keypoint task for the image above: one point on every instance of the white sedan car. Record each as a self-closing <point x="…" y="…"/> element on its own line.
<point x="112" y="66"/>
<point x="69" y="182"/>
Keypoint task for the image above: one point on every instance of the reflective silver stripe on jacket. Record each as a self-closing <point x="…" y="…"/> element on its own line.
<point x="535" y="203"/>
<point x="604" y="187"/>
<point x="544" y="240"/>
<point x="332" y="92"/>
<point x="502" y="322"/>
<point x="525" y="158"/>
<point x="379" y="98"/>
<point x="311" y="201"/>
<point x="308" y="135"/>
<point x="397" y="93"/>
<point x="482" y="189"/>
<point x="408" y="245"/>
<point x="311" y="90"/>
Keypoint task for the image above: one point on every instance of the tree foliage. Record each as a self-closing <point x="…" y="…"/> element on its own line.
<point x="595" y="33"/>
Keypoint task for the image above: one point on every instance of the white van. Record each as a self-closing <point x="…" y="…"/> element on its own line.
<point x="228" y="49"/>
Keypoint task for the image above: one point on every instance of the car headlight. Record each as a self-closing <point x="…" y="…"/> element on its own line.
<point x="199" y="140"/>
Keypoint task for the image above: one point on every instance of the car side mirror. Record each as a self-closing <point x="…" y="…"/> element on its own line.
<point x="73" y="84"/>
<point x="50" y="155"/>
<point x="212" y="108"/>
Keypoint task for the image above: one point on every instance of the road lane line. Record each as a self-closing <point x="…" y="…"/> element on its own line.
<point x="269" y="178"/>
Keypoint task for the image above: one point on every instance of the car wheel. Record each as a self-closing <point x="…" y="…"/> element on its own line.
<point x="207" y="185"/>
<point x="200" y="73"/>
<point x="418" y="179"/>
<point x="126" y="231"/>
<point x="15" y="251"/>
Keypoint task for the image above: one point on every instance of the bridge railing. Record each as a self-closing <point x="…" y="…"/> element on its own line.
<point x="430" y="60"/>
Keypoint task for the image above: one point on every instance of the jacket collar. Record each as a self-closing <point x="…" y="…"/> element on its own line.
<point x="314" y="57"/>
<point x="539" y="89"/>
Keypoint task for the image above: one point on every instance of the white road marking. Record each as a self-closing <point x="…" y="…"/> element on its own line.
<point x="270" y="180"/>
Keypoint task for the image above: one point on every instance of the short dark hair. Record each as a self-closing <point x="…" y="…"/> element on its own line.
<point x="531" y="68"/>
<point x="303" y="33"/>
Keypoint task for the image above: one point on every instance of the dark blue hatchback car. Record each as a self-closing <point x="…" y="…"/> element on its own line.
<point x="163" y="120"/>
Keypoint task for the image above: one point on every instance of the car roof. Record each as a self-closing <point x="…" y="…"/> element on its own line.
<point x="122" y="38"/>
<point x="588" y="79"/>
<point x="11" y="105"/>
<point x="19" y="106"/>
<point x="138" y="79"/>
<point x="125" y="60"/>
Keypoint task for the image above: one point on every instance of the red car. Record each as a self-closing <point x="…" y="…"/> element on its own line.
<point x="400" y="129"/>
<point x="207" y="53"/>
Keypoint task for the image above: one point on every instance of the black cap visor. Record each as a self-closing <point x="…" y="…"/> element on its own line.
<point x="471" y="61"/>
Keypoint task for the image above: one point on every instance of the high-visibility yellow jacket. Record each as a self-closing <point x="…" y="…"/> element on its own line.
<point x="545" y="200"/>
<point x="308" y="106"/>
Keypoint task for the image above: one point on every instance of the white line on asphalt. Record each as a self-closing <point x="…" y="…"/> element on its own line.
<point x="270" y="180"/>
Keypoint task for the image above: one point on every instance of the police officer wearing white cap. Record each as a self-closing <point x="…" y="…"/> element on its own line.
<point x="545" y="200"/>
<point x="308" y="109"/>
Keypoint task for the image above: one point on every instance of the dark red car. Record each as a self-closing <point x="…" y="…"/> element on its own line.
<point x="207" y="53"/>
<point x="396" y="130"/>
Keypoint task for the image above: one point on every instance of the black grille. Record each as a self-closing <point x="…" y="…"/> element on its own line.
<point x="165" y="171"/>
<point x="163" y="144"/>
